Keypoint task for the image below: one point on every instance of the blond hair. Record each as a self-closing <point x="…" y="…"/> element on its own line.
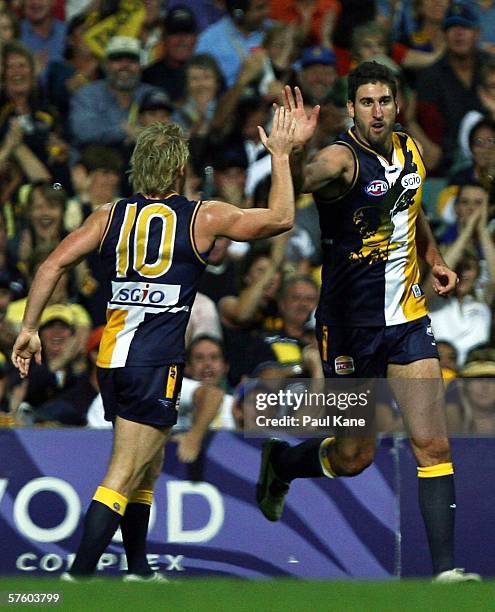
<point x="161" y="151"/>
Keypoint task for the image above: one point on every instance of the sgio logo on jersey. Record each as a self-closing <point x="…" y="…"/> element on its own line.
<point x="144" y="294"/>
<point x="411" y="181"/>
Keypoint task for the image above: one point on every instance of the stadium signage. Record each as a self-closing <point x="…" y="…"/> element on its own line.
<point x="177" y="494"/>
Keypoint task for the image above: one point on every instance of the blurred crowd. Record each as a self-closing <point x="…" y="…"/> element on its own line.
<point x="79" y="80"/>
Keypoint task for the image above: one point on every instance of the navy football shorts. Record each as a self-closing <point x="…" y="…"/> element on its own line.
<point x="144" y="394"/>
<point x="365" y="352"/>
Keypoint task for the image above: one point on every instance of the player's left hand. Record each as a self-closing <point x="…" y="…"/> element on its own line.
<point x="305" y="125"/>
<point x="188" y="446"/>
<point x="444" y="279"/>
<point x="27" y="346"/>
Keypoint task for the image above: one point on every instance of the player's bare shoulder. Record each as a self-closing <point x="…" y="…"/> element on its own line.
<point x="332" y="171"/>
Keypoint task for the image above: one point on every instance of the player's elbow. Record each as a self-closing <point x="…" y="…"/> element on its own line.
<point x="285" y="224"/>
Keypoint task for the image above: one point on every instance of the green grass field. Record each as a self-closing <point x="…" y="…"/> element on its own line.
<point x="218" y="595"/>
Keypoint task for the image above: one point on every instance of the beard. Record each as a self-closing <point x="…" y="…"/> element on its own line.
<point x="124" y="81"/>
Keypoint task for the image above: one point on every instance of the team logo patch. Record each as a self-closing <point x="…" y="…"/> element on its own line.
<point x="417" y="291"/>
<point x="377" y="188"/>
<point x="429" y="331"/>
<point x="344" y="364"/>
<point x="411" y="181"/>
<point x="116" y="506"/>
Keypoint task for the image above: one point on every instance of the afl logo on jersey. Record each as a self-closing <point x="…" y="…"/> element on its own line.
<point x="411" y="181"/>
<point x="376" y="188"/>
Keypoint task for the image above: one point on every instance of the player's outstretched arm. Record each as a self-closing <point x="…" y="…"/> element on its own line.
<point x="331" y="163"/>
<point x="70" y="251"/>
<point x="222" y="219"/>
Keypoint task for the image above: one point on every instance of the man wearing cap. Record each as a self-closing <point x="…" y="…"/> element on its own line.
<point x="106" y="110"/>
<point x="179" y="38"/>
<point x="318" y="74"/>
<point x="56" y="373"/>
<point x="155" y="106"/>
<point x="449" y="89"/>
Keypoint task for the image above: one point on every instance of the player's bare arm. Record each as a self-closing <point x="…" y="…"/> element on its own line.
<point x="333" y="163"/>
<point x="443" y="278"/>
<point x="222" y="219"/>
<point x="69" y="252"/>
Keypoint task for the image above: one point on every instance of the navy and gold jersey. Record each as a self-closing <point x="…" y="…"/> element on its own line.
<point x="149" y="255"/>
<point x="370" y="273"/>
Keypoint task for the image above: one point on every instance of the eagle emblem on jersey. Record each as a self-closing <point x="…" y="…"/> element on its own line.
<point x="376" y="223"/>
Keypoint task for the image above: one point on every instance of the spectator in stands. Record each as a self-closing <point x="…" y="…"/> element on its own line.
<point x="231" y="39"/>
<point x="255" y="306"/>
<point x="449" y="89"/>
<point x="96" y="177"/>
<point x="45" y="216"/>
<point x="42" y="32"/>
<point x="57" y="372"/>
<point x="448" y="359"/>
<point x="30" y="123"/>
<point x="462" y="319"/>
<point x="230" y="168"/>
<point x="486" y="94"/>
<point x="314" y="20"/>
<point x="97" y="180"/>
<point x="471" y="228"/>
<point x="204" y="404"/>
<point x="78" y="67"/>
<point x="294" y="344"/>
<point x="205" y="12"/>
<point x="241" y="145"/>
<point x="151" y="35"/>
<point x="195" y="112"/>
<point x="219" y="278"/>
<point x="155" y="107"/>
<point x="486" y="16"/>
<point x="204" y="319"/>
<point x="482" y="148"/>
<point x="7" y="330"/>
<point x="61" y="298"/>
<point x="317" y="75"/>
<point x="9" y="27"/>
<point x="425" y="44"/>
<point x="471" y="398"/>
<point x="480" y="171"/>
<point x="179" y="40"/>
<point x="106" y="111"/>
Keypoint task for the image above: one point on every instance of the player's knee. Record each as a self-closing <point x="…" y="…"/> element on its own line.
<point x="352" y="462"/>
<point x="432" y="451"/>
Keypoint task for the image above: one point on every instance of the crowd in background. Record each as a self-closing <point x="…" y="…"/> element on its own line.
<point x="80" y="79"/>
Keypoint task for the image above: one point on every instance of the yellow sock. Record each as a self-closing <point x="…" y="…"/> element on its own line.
<point x="432" y="471"/>
<point x="114" y="500"/>
<point x="142" y="496"/>
<point x="324" y="460"/>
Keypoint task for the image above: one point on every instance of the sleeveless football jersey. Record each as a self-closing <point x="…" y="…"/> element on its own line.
<point x="149" y="255"/>
<point x="370" y="273"/>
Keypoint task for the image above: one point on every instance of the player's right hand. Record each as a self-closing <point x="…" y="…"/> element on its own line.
<point x="305" y="126"/>
<point x="281" y="139"/>
<point x="444" y="279"/>
<point x="27" y="346"/>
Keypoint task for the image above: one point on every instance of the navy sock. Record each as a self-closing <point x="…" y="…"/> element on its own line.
<point x="437" y="503"/>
